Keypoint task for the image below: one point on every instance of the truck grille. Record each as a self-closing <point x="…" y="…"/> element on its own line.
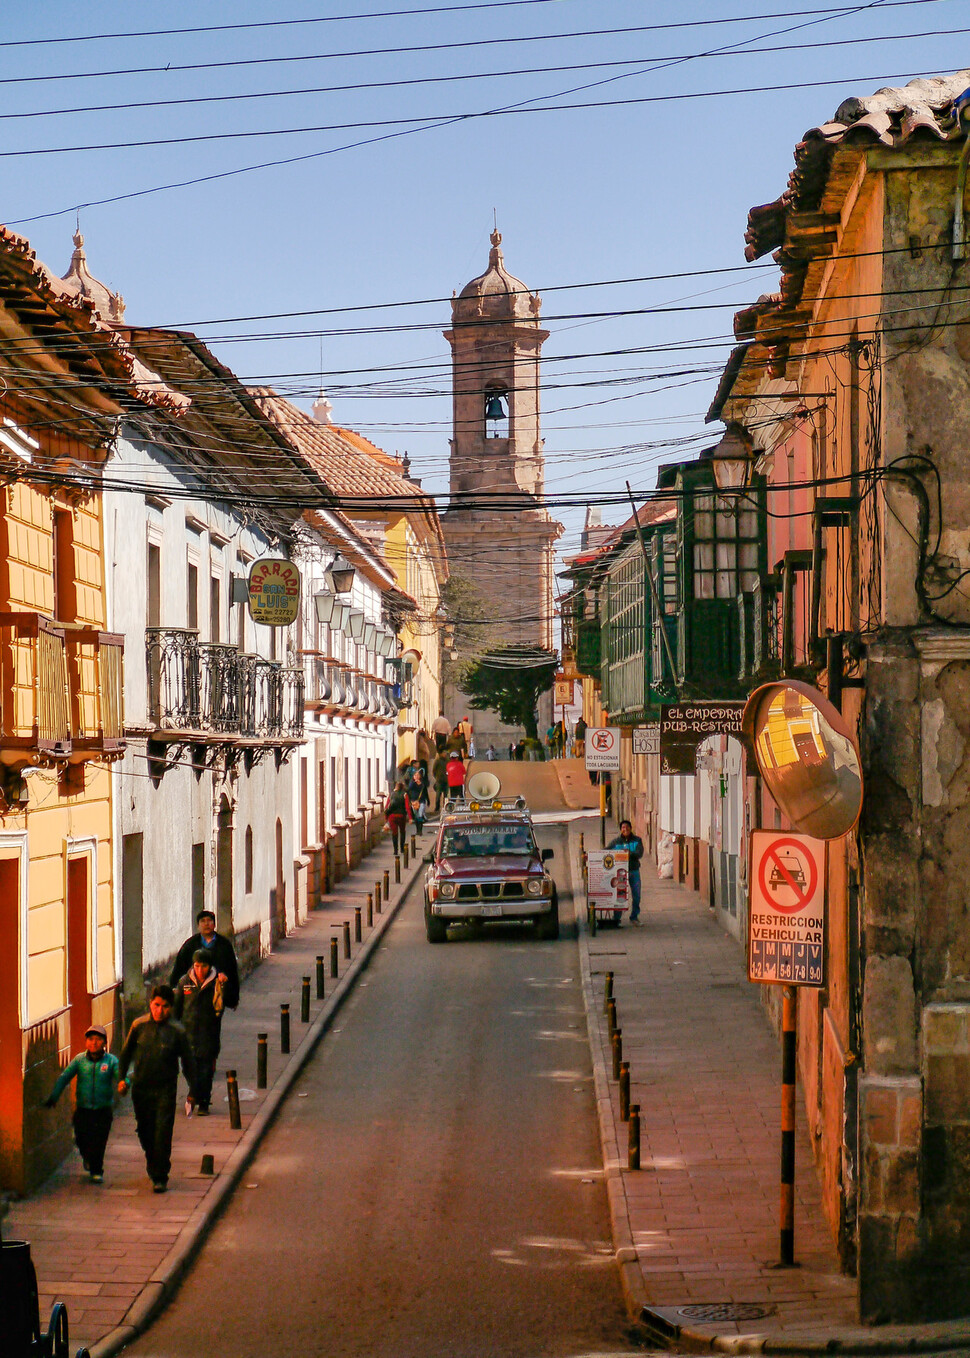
<point x="491" y="891"/>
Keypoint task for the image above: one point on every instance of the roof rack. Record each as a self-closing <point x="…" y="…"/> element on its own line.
<point x="462" y="804"/>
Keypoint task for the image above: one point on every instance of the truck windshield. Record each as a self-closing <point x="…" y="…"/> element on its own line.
<point x="485" y="841"/>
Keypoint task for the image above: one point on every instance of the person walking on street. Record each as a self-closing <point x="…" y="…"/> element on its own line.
<point x="419" y="797"/>
<point x="219" y="949"/>
<point x="96" y="1072"/>
<point x="457" y="744"/>
<point x="155" y="1047"/>
<point x="455" y="774"/>
<point x="439" y="780"/>
<point x="579" y="735"/>
<point x="397" y="813"/>
<point x="490" y="753"/>
<point x="198" y="1007"/>
<point x="633" y="845"/>
<point x="441" y="730"/>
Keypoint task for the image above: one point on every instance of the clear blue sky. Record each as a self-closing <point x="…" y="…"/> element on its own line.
<point x="583" y="196"/>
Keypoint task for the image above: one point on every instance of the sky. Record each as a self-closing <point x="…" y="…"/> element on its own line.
<point x="406" y="136"/>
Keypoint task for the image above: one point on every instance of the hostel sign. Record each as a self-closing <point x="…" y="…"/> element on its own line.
<point x="274" y="592"/>
<point x="786" y="915"/>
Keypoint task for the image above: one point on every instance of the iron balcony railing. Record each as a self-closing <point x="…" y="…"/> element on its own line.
<point x="211" y="689"/>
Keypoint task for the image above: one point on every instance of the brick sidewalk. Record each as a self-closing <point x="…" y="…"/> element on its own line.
<point x="702" y="1215"/>
<point x="107" y="1249"/>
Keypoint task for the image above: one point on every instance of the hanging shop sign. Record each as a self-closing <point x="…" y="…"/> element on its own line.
<point x="565" y="691"/>
<point x="602" y="749"/>
<point x="274" y="592"/>
<point x="786" y="914"/>
<point x="646" y="739"/>
<point x="685" y="726"/>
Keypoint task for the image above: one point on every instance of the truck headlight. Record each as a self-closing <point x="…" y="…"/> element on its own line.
<point x="534" y="886"/>
<point x="447" y="890"/>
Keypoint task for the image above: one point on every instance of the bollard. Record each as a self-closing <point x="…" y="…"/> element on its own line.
<point x="232" y="1088"/>
<point x="285" y="1029"/>
<point x="633" y="1151"/>
<point x="617" y="1051"/>
<point x="397" y="869"/>
<point x="370" y="910"/>
<point x="305" y="1001"/>
<point x="788" y="1068"/>
<point x="346" y="938"/>
<point x="208" y="1165"/>
<point x="357" y="916"/>
<point x="611" y="1017"/>
<point x="320" y="988"/>
<point x="625" y="1091"/>
<point x="592" y="921"/>
<point x="387" y="883"/>
<point x="609" y="991"/>
<point x="404" y="854"/>
<point x="377" y="897"/>
<point x="262" y="1058"/>
<point x="334" y="967"/>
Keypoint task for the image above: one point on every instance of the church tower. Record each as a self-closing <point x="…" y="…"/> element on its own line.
<point x="498" y="534"/>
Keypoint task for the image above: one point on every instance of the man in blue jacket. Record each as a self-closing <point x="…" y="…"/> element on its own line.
<point x="633" y="845"/>
<point x="96" y="1072"/>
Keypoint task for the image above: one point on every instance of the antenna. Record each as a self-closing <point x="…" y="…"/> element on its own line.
<point x="494" y="219"/>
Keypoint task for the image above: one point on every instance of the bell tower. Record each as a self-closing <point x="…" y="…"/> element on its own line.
<point x="498" y="533"/>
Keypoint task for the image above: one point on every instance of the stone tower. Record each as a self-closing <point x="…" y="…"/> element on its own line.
<point x="499" y="535"/>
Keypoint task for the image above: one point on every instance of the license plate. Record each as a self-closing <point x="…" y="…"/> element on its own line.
<point x="491" y="911"/>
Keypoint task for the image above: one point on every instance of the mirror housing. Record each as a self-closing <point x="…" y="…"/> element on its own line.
<point x="547" y="854"/>
<point x="428" y="857"/>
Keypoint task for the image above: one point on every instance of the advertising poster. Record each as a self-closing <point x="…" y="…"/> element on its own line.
<point x="608" y="880"/>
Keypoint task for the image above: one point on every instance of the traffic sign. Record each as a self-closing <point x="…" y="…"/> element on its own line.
<point x="646" y="739"/>
<point x="786" y="913"/>
<point x="602" y="749"/>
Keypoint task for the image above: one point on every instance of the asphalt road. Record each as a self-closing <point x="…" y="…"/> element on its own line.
<point x="433" y="1187"/>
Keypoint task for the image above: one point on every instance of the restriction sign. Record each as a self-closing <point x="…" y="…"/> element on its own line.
<point x="786" y="915"/>
<point x="602" y="749"/>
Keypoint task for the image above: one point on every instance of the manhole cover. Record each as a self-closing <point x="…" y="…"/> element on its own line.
<point x="724" y="1311"/>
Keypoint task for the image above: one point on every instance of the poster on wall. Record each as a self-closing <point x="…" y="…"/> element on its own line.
<point x="274" y="592"/>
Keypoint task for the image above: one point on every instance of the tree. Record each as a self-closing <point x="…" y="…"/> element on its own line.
<point x="509" y="681"/>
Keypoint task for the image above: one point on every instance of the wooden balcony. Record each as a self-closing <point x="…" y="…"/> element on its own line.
<point x="35" y="708"/>
<point x="95" y="668"/>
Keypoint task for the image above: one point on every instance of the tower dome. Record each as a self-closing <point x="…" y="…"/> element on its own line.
<point x="80" y="282"/>
<point x="496" y="290"/>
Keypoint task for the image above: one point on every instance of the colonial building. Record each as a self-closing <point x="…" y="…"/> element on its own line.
<point x="499" y="535"/>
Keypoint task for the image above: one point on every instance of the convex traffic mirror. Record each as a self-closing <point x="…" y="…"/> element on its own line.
<point x="807" y="756"/>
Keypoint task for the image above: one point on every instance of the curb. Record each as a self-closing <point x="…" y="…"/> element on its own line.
<point x="166" y="1279"/>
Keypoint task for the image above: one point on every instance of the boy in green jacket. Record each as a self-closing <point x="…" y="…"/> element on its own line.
<point x="96" y="1071"/>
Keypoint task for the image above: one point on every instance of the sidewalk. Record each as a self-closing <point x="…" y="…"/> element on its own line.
<point x="114" y="1253"/>
<point x="696" y="1229"/>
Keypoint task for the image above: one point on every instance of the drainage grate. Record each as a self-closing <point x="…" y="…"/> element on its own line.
<point x="724" y="1311"/>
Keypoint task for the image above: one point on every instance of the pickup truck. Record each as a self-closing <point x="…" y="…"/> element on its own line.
<point x="486" y="865"/>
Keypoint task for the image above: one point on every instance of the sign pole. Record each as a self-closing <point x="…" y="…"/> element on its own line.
<point x="602" y="811"/>
<point x="788" y="1034"/>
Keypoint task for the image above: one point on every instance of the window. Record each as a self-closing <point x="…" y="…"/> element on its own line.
<point x="725" y="546"/>
<point x="248" y="858"/>
<point x="215" y="609"/>
<point x="154" y="591"/>
<point x="192" y="596"/>
<point x="65" y="587"/>
<point x="198" y="881"/>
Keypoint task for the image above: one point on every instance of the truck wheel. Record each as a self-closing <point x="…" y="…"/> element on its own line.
<point x="547" y="926"/>
<point x="435" y="927"/>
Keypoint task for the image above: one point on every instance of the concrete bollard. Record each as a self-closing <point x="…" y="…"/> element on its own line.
<point x="387" y="883"/>
<point x="305" y="1001"/>
<point x="633" y="1144"/>
<point x="208" y="1165"/>
<point x="377" y="897"/>
<point x="611" y="1017"/>
<point x="346" y="938"/>
<point x="232" y="1088"/>
<point x="285" y="1029"/>
<point x="334" y="966"/>
<point x="320" y="986"/>
<point x="625" y="1090"/>
<point x="609" y="991"/>
<point x="357" y="923"/>
<point x="617" y="1051"/>
<point x="370" y="909"/>
<point x="262" y="1059"/>
<point x="397" y="869"/>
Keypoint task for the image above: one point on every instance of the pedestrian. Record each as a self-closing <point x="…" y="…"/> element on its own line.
<point x="519" y="752"/>
<point x="441" y="730"/>
<point x="491" y="754"/>
<point x="579" y="735"/>
<point x="551" y="739"/>
<point x="198" y="1007"/>
<point x="471" y="746"/>
<point x="397" y="813"/>
<point x="96" y="1072"/>
<point x="439" y="780"/>
<point x="419" y="797"/>
<point x="457" y="743"/>
<point x="455" y="773"/>
<point x="155" y="1047"/>
<point x="219" y="949"/>
<point x="511" y="749"/>
<point x="633" y="845"/>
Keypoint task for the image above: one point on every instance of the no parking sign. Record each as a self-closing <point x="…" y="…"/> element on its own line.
<point x="786" y="915"/>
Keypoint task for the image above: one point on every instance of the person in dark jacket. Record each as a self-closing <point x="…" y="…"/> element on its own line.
<point x="155" y="1047"/>
<point x="439" y="778"/>
<point x="96" y="1072"/>
<point x="633" y="845"/>
<point x="219" y="949"/>
<point x="397" y="813"/>
<point x="198" y="1007"/>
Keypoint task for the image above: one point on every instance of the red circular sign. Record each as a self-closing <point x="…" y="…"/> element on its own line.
<point x="603" y="740"/>
<point x="788" y="866"/>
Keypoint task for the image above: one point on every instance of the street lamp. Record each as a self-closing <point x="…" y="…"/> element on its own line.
<point x="370" y="636"/>
<point x="340" y="575"/>
<point x="354" y="624"/>
<point x="324" y="603"/>
<point x="732" y="459"/>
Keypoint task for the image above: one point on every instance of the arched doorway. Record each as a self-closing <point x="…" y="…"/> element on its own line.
<point x="224" y="922"/>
